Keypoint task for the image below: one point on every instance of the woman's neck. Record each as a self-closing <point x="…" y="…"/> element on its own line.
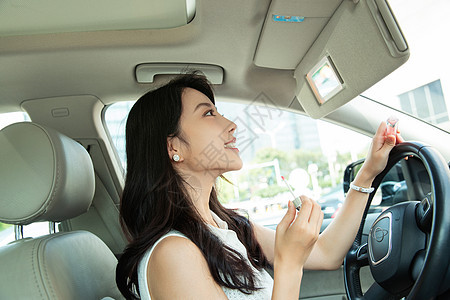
<point x="199" y="190"/>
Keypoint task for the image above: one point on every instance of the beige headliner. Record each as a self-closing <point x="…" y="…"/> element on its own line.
<point x="51" y="16"/>
<point x="256" y="54"/>
<point x="102" y="63"/>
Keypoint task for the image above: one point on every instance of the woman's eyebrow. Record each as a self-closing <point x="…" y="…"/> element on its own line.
<point x="203" y="104"/>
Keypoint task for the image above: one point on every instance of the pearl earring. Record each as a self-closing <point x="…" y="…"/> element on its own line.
<point x="176" y="157"/>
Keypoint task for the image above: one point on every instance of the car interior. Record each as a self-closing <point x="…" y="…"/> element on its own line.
<point x="302" y="79"/>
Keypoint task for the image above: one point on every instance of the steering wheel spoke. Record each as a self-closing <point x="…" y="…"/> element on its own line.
<point x="356" y="258"/>
<point x="362" y="255"/>
<point x="424" y="214"/>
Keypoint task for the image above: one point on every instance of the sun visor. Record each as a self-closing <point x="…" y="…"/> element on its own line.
<point x="361" y="44"/>
<point x="50" y="16"/>
<point x="290" y="28"/>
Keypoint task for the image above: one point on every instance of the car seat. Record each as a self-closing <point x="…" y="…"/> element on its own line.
<point x="46" y="176"/>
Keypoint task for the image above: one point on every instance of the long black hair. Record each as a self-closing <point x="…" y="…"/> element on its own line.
<point x="155" y="199"/>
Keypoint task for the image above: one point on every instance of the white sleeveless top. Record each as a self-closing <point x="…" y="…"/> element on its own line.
<point x="228" y="237"/>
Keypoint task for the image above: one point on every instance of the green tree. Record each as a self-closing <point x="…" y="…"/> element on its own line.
<point x="302" y="158"/>
<point x="269" y="154"/>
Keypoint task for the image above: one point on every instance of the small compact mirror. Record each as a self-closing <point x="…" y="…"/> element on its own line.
<point x="324" y="80"/>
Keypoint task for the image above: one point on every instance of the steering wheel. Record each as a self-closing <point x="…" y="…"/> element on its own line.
<point x="409" y="243"/>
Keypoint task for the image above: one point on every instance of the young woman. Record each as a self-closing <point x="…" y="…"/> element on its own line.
<point x="183" y="243"/>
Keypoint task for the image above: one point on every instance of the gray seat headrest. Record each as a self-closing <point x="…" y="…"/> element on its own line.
<point x="44" y="175"/>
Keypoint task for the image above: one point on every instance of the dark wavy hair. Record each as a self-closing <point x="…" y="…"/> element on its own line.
<point x="155" y="199"/>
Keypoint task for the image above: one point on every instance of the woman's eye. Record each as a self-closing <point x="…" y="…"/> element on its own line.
<point x="209" y="113"/>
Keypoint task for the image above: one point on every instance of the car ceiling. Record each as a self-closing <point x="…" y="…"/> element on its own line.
<point x="257" y="54"/>
<point x="50" y="16"/>
<point x="102" y="63"/>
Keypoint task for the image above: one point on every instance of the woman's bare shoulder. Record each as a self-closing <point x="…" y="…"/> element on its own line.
<point x="177" y="268"/>
<point x="172" y="248"/>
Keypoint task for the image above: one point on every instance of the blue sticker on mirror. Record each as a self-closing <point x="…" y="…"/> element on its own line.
<point x="292" y="19"/>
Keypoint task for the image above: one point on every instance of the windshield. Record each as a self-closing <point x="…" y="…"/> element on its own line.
<point x="420" y="87"/>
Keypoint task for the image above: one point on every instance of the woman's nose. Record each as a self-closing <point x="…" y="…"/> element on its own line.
<point x="232" y="127"/>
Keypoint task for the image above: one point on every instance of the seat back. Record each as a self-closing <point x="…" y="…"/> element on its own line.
<point x="46" y="176"/>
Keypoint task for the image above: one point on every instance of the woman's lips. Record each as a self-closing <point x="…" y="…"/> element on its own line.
<point x="231" y="145"/>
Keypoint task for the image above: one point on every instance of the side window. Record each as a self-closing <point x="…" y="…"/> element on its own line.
<point x="310" y="154"/>
<point x="6" y="233"/>
<point x="115" y="118"/>
<point x="12" y="117"/>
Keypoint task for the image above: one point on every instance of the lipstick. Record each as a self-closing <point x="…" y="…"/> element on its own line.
<point x="297" y="201"/>
<point x="392" y="125"/>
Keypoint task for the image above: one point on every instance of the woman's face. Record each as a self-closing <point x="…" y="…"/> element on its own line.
<point x="212" y="146"/>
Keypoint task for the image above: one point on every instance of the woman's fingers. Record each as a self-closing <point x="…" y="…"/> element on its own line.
<point x="305" y="211"/>
<point x="316" y="216"/>
<point x="287" y="219"/>
<point x="399" y="138"/>
<point x="379" y="151"/>
<point x="381" y="129"/>
<point x="310" y="210"/>
<point x="319" y="222"/>
<point x="307" y="226"/>
<point x="297" y="232"/>
<point x="308" y="218"/>
<point x="380" y="138"/>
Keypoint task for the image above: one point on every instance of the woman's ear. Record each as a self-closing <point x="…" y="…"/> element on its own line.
<point x="173" y="147"/>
